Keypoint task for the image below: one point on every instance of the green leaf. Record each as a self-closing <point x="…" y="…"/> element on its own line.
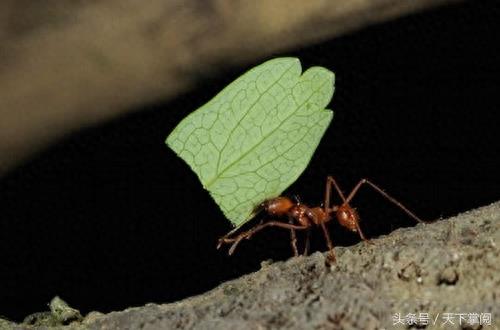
<point x="254" y="139"/>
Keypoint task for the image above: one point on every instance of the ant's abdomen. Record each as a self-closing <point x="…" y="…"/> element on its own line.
<point x="347" y="217"/>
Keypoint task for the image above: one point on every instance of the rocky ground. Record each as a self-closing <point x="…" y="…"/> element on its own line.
<point x="446" y="271"/>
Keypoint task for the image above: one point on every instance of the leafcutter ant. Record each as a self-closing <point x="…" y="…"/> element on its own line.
<point x="303" y="217"/>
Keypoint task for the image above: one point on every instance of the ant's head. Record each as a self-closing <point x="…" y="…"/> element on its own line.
<point x="260" y="207"/>
<point x="278" y="206"/>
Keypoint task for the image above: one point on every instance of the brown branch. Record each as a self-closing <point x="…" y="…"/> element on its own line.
<point x="68" y="64"/>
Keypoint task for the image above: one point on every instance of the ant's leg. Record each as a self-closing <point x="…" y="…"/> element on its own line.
<point x="306" y="245"/>
<point x="330" y="181"/>
<point x="226" y="239"/>
<point x="361" y="235"/>
<point x="328" y="242"/>
<point x="360" y="232"/>
<point x="261" y="225"/>
<point x="249" y="233"/>
<point x="257" y="228"/>
<point x="383" y="193"/>
<point x="293" y="238"/>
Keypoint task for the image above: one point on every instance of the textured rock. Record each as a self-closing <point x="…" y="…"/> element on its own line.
<point x="451" y="266"/>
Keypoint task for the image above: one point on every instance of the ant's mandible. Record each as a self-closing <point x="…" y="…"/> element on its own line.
<point x="303" y="217"/>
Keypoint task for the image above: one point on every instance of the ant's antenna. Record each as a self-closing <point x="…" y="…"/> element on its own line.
<point x="296" y="198"/>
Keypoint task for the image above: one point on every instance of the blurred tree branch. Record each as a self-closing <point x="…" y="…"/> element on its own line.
<point x="68" y="64"/>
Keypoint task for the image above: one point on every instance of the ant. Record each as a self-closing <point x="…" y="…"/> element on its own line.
<point x="303" y="217"/>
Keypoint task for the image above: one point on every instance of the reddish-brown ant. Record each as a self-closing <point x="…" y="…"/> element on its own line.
<point x="303" y="217"/>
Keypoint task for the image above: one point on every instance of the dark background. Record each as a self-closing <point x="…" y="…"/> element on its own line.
<point x="111" y="218"/>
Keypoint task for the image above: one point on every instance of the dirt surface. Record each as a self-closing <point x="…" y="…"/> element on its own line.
<point x="451" y="266"/>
